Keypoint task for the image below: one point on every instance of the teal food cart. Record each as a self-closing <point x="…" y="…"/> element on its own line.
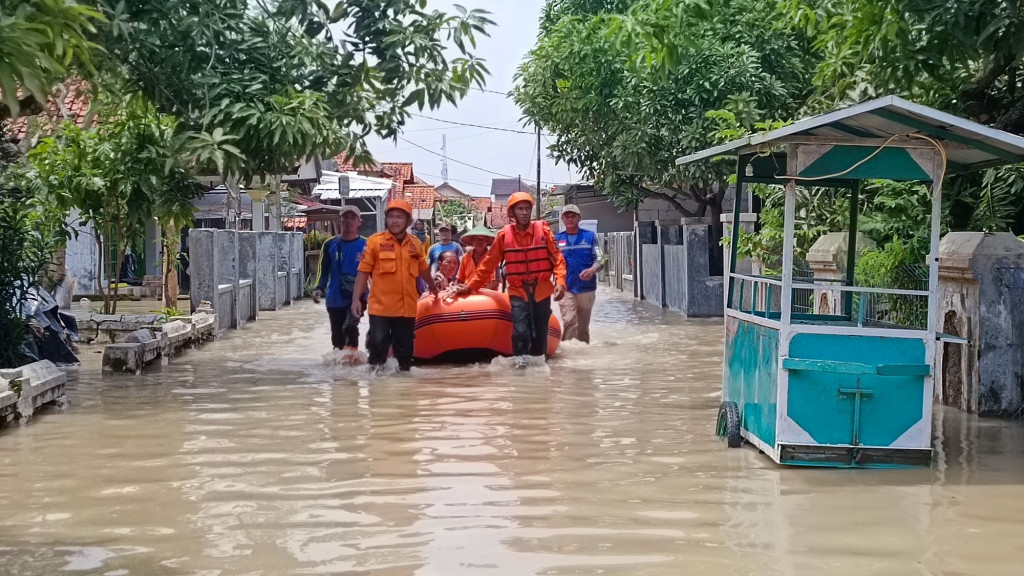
<point x="851" y="386"/>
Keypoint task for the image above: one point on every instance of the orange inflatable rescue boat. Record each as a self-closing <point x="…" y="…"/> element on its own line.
<point x="469" y="328"/>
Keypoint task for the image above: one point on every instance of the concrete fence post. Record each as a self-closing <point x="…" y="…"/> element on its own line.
<point x="297" y="256"/>
<point x="202" y="266"/>
<point x="247" y="259"/>
<point x="227" y="264"/>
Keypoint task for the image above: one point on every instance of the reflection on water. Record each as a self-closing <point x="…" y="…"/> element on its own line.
<point x="260" y="455"/>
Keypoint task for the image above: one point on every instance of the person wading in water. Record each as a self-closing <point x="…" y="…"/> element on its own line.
<point x="336" y="278"/>
<point x="583" y="260"/>
<point x="393" y="260"/>
<point x="534" y="271"/>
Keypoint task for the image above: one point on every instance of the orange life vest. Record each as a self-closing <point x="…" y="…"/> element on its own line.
<point x="526" y="264"/>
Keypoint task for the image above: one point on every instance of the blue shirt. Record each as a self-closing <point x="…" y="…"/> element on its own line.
<point x="339" y="264"/>
<point x="580" y="251"/>
<point x="437" y="249"/>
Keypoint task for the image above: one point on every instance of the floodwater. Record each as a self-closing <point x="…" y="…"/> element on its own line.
<point x="254" y="457"/>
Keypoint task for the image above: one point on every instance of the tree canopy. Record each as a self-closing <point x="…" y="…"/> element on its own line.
<point x="41" y="42"/>
<point x="963" y="57"/>
<point x="627" y="87"/>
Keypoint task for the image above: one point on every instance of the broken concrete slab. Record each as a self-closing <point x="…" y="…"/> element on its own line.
<point x="112" y="328"/>
<point x="204" y="326"/>
<point x="41" y="383"/>
<point x="177" y="335"/>
<point x="132" y="356"/>
<point x="140" y="336"/>
<point x="23" y="390"/>
<point x="8" y="401"/>
<point x="123" y="358"/>
<point x="145" y="345"/>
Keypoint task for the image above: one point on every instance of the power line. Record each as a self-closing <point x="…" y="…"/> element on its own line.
<point x="425" y="149"/>
<point x="492" y="91"/>
<point x="531" y="133"/>
<point x="470" y="182"/>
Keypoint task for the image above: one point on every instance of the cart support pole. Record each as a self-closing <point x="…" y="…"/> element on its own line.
<point x="788" y="244"/>
<point x="933" y="252"/>
<point x="851" y="247"/>
<point x="735" y="242"/>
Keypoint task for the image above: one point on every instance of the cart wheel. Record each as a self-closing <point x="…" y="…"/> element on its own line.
<point x="729" y="424"/>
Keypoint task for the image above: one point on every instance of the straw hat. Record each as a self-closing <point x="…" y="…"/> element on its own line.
<point x="482" y="231"/>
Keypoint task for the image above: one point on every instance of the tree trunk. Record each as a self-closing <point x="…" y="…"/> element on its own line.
<point x="234" y="204"/>
<point x="170" y="241"/>
<point x="100" y="276"/>
<point x="121" y="250"/>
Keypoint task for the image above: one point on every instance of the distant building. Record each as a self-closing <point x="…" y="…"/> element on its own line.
<point x="502" y="188"/>
<point x="448" y="192"/>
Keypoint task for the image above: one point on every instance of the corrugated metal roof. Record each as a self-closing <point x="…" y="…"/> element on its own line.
<point x="969" y="145"/>
<point x="334" y="186"/>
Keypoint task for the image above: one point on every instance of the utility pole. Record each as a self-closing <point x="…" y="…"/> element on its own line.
<point x="538" y="172"/>
<point x="444" y="157"/>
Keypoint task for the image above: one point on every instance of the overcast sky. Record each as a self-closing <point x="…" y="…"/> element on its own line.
<point x="503" y="152"/>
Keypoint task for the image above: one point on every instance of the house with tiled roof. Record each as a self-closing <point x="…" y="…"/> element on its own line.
<point x="422" y="197"/>
<point x="450" y="192"/>
<point x="502" y="188"/>
<point x="401" y="174"/>
<point x="70" y="101"/>
<point x="497" y="216"/>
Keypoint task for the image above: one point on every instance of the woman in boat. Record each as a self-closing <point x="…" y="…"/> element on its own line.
<point x="447" y="270"/>
<point x="479" y="239"/>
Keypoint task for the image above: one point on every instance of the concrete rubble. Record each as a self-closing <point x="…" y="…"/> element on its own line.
<point x="145" y="345"/>
<point x="23" y="390"/>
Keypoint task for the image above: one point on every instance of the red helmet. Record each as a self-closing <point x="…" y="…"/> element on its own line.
<point x="517" y="198"/>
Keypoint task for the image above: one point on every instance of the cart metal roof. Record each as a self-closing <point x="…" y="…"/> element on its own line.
<point x="969" y="145"/>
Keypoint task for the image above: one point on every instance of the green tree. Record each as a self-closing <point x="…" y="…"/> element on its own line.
<point x="454" y="211"/>
<point x="41" y="42"/>
<point x="627" y="88"/>
<point x="293" y="79"/>
<point x="120" y="174"/>
<point x="30" y="233"/>
<point x="960" y="56"/>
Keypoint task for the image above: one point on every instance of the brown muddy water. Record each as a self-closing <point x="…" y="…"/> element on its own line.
<point x="254" y="457"/>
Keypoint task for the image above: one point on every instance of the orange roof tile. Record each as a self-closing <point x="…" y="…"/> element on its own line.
<point x="422" y="197"/>
<point x="497" y="217"/>
<point x="482" y="204"/>
<point x="346" y="164"/>
<point x="75" y="104"/>
<point x="400" y="171"/>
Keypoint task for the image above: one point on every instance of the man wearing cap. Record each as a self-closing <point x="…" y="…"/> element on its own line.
<point x="534" y="270"/>
<point x="336" y="279"/>
<point x="444" y="244"/>
<point x="478" y="240"/>
<point x="583" y="260"/>
<point x="393" y="259"/>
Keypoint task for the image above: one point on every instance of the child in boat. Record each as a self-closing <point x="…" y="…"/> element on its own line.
<point x="336" y="278"/>
<point x="393" y="259"/>
<point x="478" y="239"/>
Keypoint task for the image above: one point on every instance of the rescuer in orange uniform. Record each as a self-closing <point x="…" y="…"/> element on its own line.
<point x="534" y="271"/>
<point x="392" y="261"/>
